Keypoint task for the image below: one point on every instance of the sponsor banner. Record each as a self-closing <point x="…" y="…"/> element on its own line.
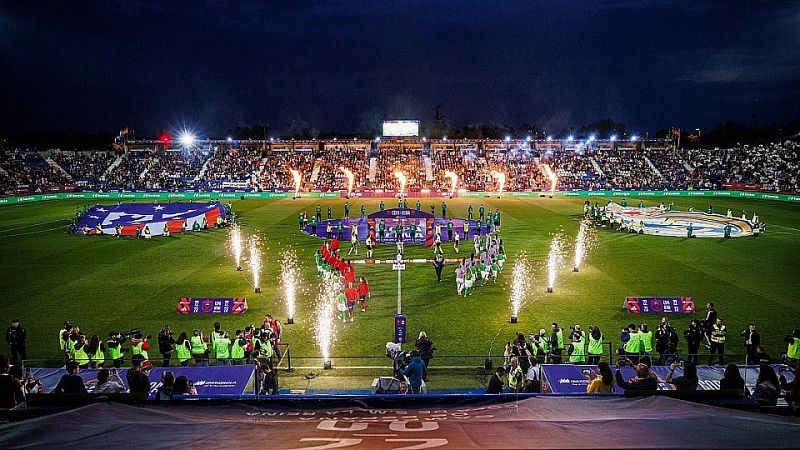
<point x="659" y="305"/>
<point x="38" y="197"/>
<point x="209" y="381"/>
<point x="212" y="305"/>
<point x="573" y="379"/>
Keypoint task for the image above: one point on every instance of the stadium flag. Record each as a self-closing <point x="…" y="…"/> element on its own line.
<point x="132" y="216"/>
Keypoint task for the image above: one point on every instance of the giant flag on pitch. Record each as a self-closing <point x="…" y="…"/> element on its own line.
<point x="176" y="217"/>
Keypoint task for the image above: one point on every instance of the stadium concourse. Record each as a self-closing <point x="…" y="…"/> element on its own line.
<point x="263" y="166"/>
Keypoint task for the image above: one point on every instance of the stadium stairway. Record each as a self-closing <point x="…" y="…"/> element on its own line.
<point x="57" y="166"/>
<point x="373" y="169"/>
<point x="653" y="167"/>
<point x="315" y="170"/>
<point x="429" y="169"/>
<point x="203" y="169"/>
<point x="111" y="167"/>
<point x="597" y="168"/>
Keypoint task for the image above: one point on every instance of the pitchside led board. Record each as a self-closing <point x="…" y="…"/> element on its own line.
<point x="401" y="128"/>
<point x="659" y="305"/>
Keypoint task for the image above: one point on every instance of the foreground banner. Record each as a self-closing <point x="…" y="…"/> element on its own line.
<point x="573" y="379"/>
<point x="377" y="194"/>
<point x="209" y="381"/>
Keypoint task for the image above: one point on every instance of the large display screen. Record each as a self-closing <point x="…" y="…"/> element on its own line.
<point x="401" y="128"/>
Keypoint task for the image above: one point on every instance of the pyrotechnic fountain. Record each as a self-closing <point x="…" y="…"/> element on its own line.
<point x="520" y="281"/>
<point x="297" y="181"/>
<point x="501" y="182"/>
<point x="255" y="262"/>
<point x="350" y="179"/>
<point x="401" y="178"/>
<point x="453" y="181"/>
<point x="555" y="260"/>
<point x="235" y="244"/>
<point x="324" y="327"/>
<point x="583" y="243"/>
<point x="289" y="282"/>
<point x="552" y="177"/>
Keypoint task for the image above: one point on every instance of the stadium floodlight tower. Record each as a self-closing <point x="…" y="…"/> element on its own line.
<point x="570" y="138"/>
<point x="187" y="138"/>
<point x="634" y="138"/>
<point x="613" y="138"/>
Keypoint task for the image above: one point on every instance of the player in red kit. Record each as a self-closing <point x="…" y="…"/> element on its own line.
<point x="363" y="293"/>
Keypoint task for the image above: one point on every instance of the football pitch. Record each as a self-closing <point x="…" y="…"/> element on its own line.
<point x="102" y="283"/>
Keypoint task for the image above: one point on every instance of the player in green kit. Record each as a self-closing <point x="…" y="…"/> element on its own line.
<point x="469" y="213"/>
<point x="300" y="220"/>
<point x="340" y="230"/>
<point x="318" y="212"/>
<point x="497" y="220"/>
<point x="481" y="212"/>
<point x="381" y="231"/>
<point x="346" y="210"/>
<point x="399" y="203"/>
<point x="484" y="272"/>
<point x="341" y="305"/>
<point x="419" y="206"/>
<point x="433" y="210"/>
<point x="382" y="206"/>
<point x="314" y="225"/>
<point x="494" y="269"/>
<point x="469" y="280"/>
<point x="363" y="211"/>
<point x="501" y="258"/>
<point x="413" y="231"/>
<point x="444" y="209"/>
<point x="330" y="213"/>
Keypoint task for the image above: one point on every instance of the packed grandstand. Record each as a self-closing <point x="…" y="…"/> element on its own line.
<point x="263" y="166"/>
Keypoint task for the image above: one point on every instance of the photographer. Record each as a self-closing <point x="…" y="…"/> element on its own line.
<point x="666" y="341"/>
<point x="539" y="346"/>
<point x="108" y="382"/>
<point x="515" y="376"/>
<point x="165" y="344"/>
<point x="415" y="373"/>
<point x="694" y="337"/>
<point x="425" y="348"/>
<point x="115" y="350"/>
<point x="199" y="348"/>
<point x="595" y="348"/>
<point x="140" y="345"/>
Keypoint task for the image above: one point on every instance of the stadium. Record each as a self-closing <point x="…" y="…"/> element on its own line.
<point x="412" y="285"/>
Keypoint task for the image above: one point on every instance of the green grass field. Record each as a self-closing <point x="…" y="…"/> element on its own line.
<point x="103" y="283"/>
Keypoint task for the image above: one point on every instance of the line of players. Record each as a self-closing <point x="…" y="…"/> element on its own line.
<point x="331" y="265"/>
<point x="489" y="263"/>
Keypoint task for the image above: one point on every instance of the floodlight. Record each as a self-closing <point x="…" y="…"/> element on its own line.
<point x="613" y="138"/>
<point x="186" y="138"/>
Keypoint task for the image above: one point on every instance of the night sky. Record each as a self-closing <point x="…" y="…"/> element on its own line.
<point x="344" y="65"/>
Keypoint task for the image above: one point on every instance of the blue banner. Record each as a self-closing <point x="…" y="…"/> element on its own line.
<point x="209" y="381"/>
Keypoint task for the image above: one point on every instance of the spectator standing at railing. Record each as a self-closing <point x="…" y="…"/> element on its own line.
<point x="425" y="347"/>
<point x="71" y="382"/>
<point x="10" y="387"/>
